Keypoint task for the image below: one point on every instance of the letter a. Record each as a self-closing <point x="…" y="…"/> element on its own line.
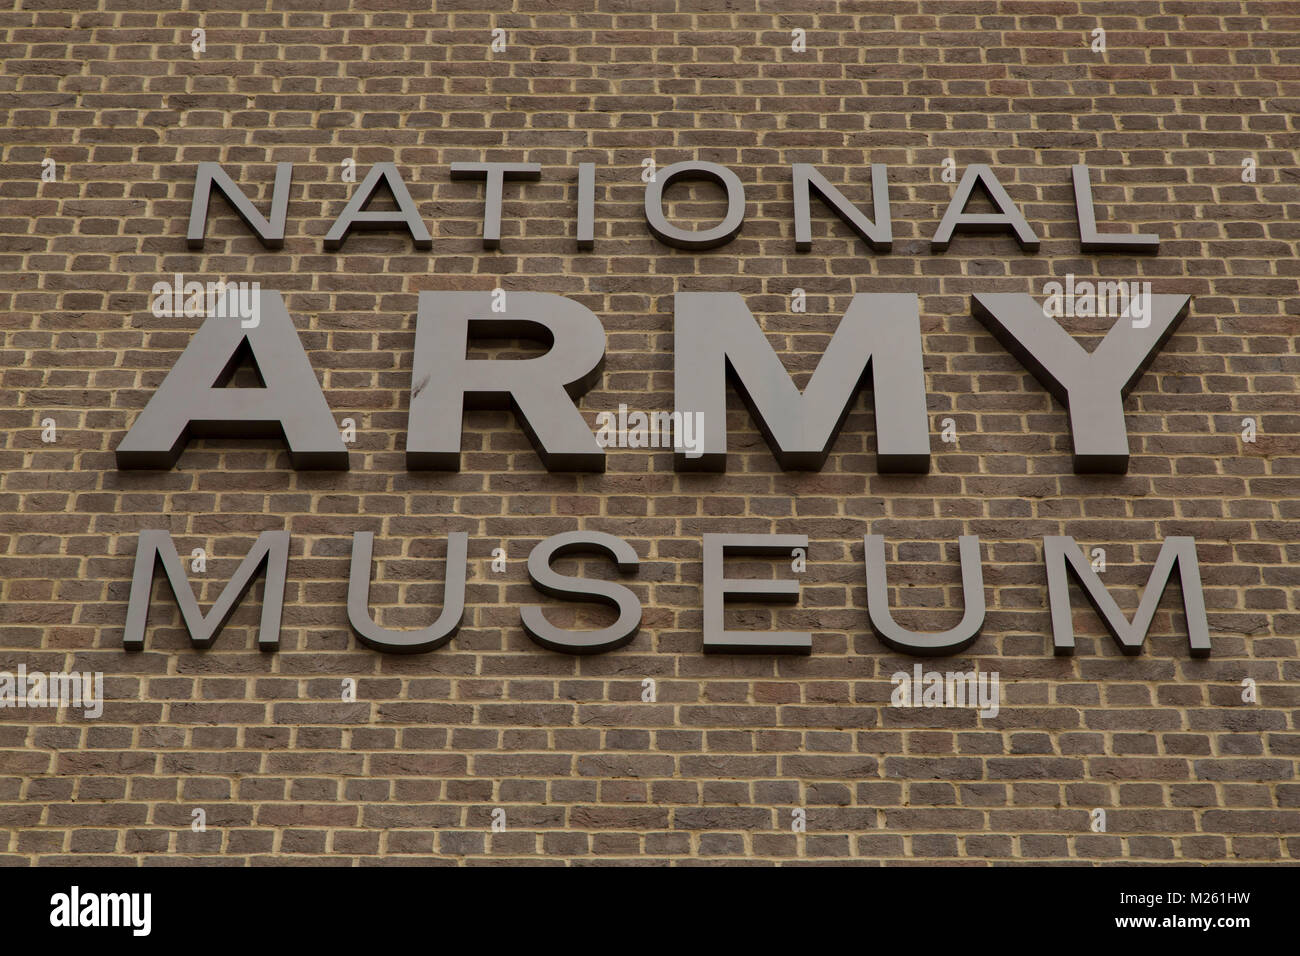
<point x="190" y="400"/>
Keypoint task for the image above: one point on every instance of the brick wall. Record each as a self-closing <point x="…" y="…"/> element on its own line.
<point x="582" y="766"/>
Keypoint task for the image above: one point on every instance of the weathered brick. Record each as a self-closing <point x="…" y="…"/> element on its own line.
<point x="718" y="767"/>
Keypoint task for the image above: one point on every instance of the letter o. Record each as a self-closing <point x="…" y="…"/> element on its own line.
<point x="671" y="235"/>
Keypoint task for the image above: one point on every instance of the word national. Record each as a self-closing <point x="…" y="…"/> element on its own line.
<point x="805" y="180"/>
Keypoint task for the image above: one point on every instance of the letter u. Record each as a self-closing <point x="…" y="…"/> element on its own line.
<point x="406" y="642"/>
<point x="925" y="644"/>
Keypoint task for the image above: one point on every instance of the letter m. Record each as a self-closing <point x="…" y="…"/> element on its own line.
<point x="270" y="549"/>
<point x="1063" y="556"/>
<point x="117" y="909"/>
<point x="880" y="336"/>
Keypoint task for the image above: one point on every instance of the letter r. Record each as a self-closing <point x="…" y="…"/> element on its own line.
<point x="540" y="390"/>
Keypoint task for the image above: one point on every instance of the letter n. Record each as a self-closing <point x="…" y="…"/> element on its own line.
<point x="880" y="335"/>
<point x="155" y="547"/>
<point x="1063" y="556"/>
<point x="271" y="231"/>
<point x="807" y="179"/>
